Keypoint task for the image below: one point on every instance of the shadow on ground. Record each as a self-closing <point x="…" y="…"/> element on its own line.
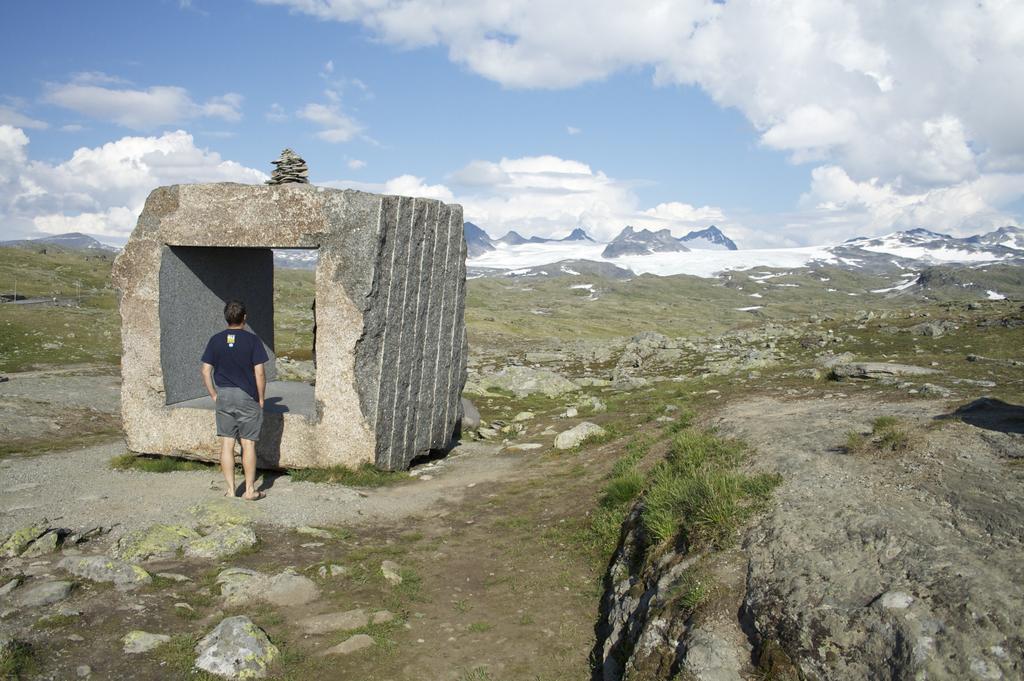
<point x="990" y="414"/>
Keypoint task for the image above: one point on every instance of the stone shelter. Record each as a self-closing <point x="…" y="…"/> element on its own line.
<point x="390" y="326"/>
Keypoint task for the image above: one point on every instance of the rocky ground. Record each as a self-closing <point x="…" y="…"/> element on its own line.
<point x="886" y="548"/>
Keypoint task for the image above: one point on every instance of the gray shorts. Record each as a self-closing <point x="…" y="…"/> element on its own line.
<point x="238" y="415"/>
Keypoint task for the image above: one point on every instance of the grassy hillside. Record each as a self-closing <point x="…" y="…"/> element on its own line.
<point x="500" y="312"/>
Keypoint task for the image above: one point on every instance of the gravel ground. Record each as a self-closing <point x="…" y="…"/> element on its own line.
<point x="76" y="489"/>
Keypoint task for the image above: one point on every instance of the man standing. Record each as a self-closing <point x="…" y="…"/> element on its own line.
<point x="235" y="378"/>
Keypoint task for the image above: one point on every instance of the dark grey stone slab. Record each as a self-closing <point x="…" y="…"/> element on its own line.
<point x="391" y="336"/>
<point x="414" y="398"/>
<point x="406" y="354"/>
<point x="427" y="420"/>
<point x="195" y="283"/>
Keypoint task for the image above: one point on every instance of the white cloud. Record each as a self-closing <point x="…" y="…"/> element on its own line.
<point x="572" y="131"/>
<point x="276" y="114"/>
<point x="548" y="196"/>
<point x="9" y="116"/>
<point x="337" y="126"/>
<point x="88" y="94"/>
<point x="410" y="185"/>
<point x="922" y="98"/>
<point x="838" y="206"/>
<point x="356" y="164"/>
<point x="72" y="127"/>
<point x="101" y="190"/>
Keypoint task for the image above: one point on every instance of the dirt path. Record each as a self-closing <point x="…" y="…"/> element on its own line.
<point x="497" y="584"/>
<point x="79" y="488"/>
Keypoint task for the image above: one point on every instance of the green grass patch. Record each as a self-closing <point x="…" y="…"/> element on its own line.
<point x="366" y="475"/>
<point x="17" y="661"/>
<point x="690" y="590"/>
<point x="698" y="495"/>
<point x="480" y="627"/>
<point x="156" y="464"/>
<point x="889" y="435"/>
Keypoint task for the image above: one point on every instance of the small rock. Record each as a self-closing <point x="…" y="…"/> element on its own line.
<point x="44" y="594"/>
<point x="48" y="543"/>
<point x="20" y="540"/>
<point x="136" y="642"/>
<point x="470" y="416"/>
<point x="350" y="645"/>
<point x="334" y="621"/>
<point x="523" y="416"/>
<point x="332" y="570"/>
<point x="391" y="571"/>
<point x="380" y="617"/>
<point x="104" y="569"/>
<point x="575" y="436"/>
<point x="236" y="648"/>
<point x="240" y="586"/>
<point x="158" y="541"/>
<point x="9" y="586"/>
<point x="525" y="446"/>
<point x="895" y="600"/>
<point x="83" y="671"/>
<point x="314" y="532"/>
<point x="571" y="413"/>
<point x="487" y="433"/>
<point x="222" y="542"/>
<point x="173" y="576"/>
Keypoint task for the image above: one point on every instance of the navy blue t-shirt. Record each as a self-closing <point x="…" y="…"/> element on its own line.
<point x="234" y="353"/>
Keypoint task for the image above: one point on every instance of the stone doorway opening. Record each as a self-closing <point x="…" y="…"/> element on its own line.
<point x="195" y="283"/>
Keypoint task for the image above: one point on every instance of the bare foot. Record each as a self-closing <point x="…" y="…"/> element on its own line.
<point x="255" y="496"/>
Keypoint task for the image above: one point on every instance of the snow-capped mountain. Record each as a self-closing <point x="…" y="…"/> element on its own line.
<point x="478" y="241"/>
<point x="73" y="241"/>
<point x="923" y="244"/>
<point x="296" y="258"/>
<point x="905" y="253"/>
<point x="709" y="239"/>
<point x="644" y="242"/>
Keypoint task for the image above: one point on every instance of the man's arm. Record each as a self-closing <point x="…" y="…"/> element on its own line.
<point x="208" y="380"/>
<point x="261" y="382"/>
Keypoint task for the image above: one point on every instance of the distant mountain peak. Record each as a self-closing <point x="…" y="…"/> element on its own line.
<point x="75" y="241"/>
<point x="578" y="234"/>
<point x="513" y="238"/>
<point x="709" y="238"/>
<point x="642" y="242"/>
<point x="478" y="241"/>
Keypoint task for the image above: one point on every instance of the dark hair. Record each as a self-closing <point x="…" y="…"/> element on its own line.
<point x="234" y="312"/>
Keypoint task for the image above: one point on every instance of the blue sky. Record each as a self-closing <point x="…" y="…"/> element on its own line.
<point x="535" y="118"/>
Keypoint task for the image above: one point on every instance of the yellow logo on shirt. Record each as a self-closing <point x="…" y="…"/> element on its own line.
<point x="231" y="340"/>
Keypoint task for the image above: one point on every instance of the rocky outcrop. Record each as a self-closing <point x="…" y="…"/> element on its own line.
<point x="670" y="615"/>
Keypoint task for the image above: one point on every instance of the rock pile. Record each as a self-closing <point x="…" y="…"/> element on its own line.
<point x="289" y="168"/>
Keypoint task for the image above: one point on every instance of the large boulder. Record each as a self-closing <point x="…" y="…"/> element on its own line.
<point x="236" y="649"/>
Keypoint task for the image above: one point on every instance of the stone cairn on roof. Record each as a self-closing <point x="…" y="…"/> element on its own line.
<point x="289" y="168"/>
